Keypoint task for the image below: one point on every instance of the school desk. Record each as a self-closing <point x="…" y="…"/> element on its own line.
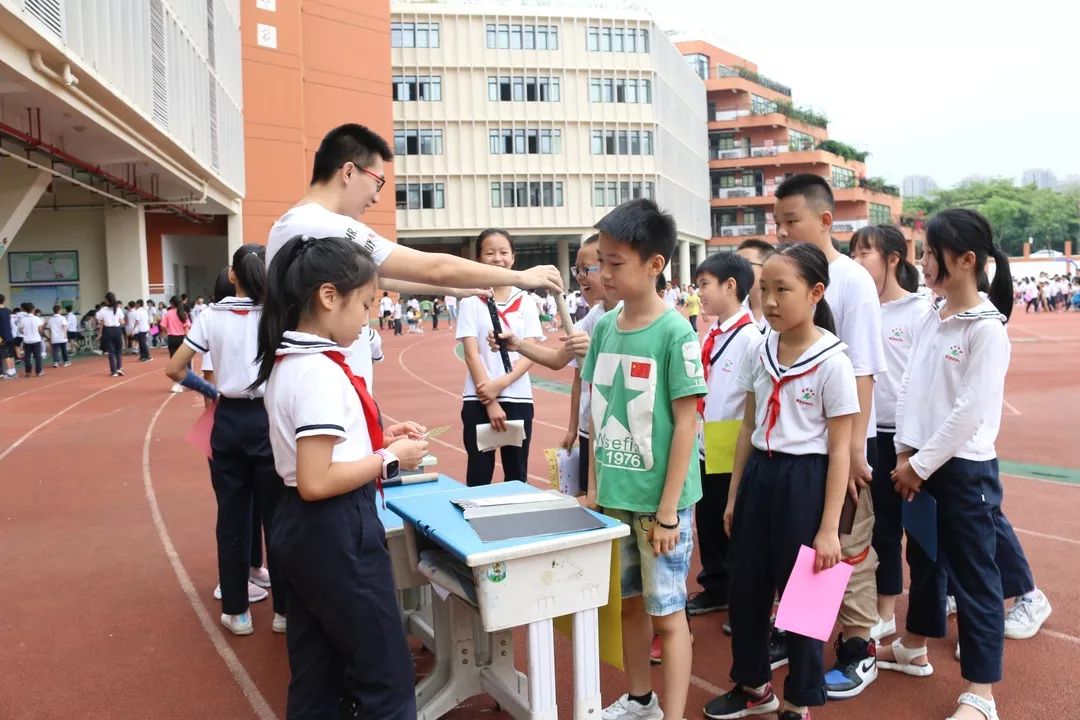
<point x="496" y="586"/>
<point x="414" y="594"/>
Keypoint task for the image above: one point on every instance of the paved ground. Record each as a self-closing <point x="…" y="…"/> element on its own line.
<point x="107" y="545"/>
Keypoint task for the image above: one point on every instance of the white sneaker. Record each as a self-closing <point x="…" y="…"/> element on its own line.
<point x="950" y="605"/>
<point x="957" y="653"/>
<point x="255" y="593"/>
<point x="238" y="624"/>
<point x="279" y="623"/>
<point x="56" y="365"/>
<point x="176" y="388"/>
<point x="1027" y="615"/>
<point x="626" y="709"/>
<point x="67" y="364"/>
<point x="259" y="576"/>
<point x="883" y="629"/>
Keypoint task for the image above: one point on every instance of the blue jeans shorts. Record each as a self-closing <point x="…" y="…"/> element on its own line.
<point x="660" y="581"/>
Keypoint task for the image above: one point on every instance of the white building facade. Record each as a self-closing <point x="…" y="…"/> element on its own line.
<point x="540" y="120"/>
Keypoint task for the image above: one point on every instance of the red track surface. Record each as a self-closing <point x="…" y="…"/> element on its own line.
<point x="107" y="613"/>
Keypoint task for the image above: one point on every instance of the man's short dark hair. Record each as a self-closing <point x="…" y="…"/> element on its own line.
<point x="642" y="225"/>
<point x="347" y="143"/>
<point x="726" y="265"/>
<point x="2" y="299"/>
<point x="814" y="188"/>
<point x="763" y="248"/>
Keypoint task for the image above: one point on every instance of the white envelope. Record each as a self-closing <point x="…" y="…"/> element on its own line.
<point x="487" y="438"/>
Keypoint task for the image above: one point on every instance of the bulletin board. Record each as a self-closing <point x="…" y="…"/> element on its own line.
<point x="47" y="267"/>
<point x="46" y="296"/>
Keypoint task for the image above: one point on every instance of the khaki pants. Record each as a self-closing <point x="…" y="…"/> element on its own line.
<point x="859" y="608"/>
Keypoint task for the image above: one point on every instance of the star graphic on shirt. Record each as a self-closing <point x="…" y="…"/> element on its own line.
<point x="618" y="397"/>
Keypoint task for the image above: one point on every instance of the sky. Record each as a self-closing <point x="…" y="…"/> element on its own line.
<point x="945" y="88"/>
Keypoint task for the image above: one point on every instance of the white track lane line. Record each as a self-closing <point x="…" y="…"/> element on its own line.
<point x="212" y="629"/>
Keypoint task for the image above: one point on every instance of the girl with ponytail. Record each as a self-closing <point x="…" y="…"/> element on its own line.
<point x="947" y="417"/>
<point x="883" y="251"/>
<point x="331" y="451"/>
<point x="789" y="477"/>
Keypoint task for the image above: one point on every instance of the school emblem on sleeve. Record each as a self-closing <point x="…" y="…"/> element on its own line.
<point x="806" y="397"/>
<point x="955" y="354"/>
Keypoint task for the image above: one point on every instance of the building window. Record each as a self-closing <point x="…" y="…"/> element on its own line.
<point x="698" y="63"/>
<point x="620" y="90"/>
<point x="842" y="177"/>
<point x="407" y="35"/>
<point x="420" y="196"/>
<point x="761" y="106"/>
<point x="611" y="193"/>
<point x="522" y="37"/>
<point x="608" y="39"/>
<point x="418" y="142"/>
<point x="523" y="89"/>
<point x="621" y="142"/>
<point x="408" y="88"/>
<point x="532" y="193"/>
<point x="799" y="141"/>
<point x="880" y="214"/>
<point x="524" y="142"/>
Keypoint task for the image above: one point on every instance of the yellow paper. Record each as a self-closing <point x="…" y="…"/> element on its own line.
<point x="610" y="617"/>
<point x="720" y="438"/>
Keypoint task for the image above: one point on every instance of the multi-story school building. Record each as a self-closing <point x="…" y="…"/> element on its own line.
<point x="539" y="120"/>
<point x="757" y="137"/>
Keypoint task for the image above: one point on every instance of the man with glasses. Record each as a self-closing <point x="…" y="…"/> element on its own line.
<point x="346" y="180"/>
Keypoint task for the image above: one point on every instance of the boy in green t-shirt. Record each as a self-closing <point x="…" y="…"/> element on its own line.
<point x="644" y="365"/>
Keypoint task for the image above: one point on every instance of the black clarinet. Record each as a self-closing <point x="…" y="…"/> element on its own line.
<point x="497" y="325"/>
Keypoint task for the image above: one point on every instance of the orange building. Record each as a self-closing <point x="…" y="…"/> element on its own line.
<point x="758" y="137"/>
<point x="309" y="66"/>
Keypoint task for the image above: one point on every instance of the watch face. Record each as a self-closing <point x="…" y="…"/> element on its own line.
<point x="392" y="469"/>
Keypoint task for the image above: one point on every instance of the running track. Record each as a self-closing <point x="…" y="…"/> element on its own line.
<point x="107" y="549"/>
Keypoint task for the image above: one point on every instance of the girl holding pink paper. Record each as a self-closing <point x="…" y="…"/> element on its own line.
<point x="788" y="481"/>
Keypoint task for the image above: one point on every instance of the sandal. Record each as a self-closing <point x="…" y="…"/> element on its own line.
<point x="987" y="707"/>
<point x="902" y="662"/>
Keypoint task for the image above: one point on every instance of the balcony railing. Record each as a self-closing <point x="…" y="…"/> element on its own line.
<point x="767" y="150"/>
<point x="846" y="226"/>
<point x="741" y="152"/>
<point x="726" y="115"/>
<point x="734" y="192"/>
<point x="727" y="153"/>
<point x="740" y="230"/>
<point x="747" y="74"/>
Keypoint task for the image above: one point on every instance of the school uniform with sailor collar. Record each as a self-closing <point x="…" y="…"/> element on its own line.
<point x="342" y="605"/>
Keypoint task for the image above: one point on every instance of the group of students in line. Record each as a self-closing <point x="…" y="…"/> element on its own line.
<point x="1048" y="294"/>
<point x="794" y="355"/>
<point x="26" y="333"/>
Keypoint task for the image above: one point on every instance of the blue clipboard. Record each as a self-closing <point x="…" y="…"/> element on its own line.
<point x="919" y="518"/>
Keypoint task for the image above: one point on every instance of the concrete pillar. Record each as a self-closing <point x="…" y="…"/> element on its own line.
<point x="20" y="189"/>
<point x="562" y="254"/>
<point x="125" y="253"/>
<point x="701" y="251"/>
<point x="684" y="262"/>
<point x="472" y="248"/>
<point x="236" y="233"/>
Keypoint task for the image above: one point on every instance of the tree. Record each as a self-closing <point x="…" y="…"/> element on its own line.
<point x="1015" y="212"/>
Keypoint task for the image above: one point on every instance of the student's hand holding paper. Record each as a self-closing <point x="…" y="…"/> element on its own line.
<point x="906" y="481"/>
<point x="497" y="416"/>
<point x="827" y="549"/>
<point x="407" y="429"/>
<point x="488" y="437"/>
<point x="409" y="452"/>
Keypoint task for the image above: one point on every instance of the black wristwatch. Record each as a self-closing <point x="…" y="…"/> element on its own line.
<point x="665" y="525"/>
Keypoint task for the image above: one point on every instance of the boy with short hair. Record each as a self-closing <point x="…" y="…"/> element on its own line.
<point x="756" y="252"/>
<point x="723" y="280"/>
<point x="58" y="337"/>
<point x="644" y="366"/>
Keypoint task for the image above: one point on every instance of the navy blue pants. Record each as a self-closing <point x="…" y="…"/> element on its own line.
<point x="888" y="531"/>
<point x="584" y="451"/>
<point x="347" y="645"/>
<point x="778" y="508"/>
<point x="715" y="575"/>
<point x="112" y="342"/>
<point x="515" y="460"/>
<point x="968" y="495"/>
<point x="242" y="472"/>
<point x="1016" y="577"/>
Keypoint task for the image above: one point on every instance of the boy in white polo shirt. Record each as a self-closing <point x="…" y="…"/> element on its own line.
<point x="804" y="213"/>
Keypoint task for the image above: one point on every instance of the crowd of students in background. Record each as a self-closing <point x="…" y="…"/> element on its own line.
<point x="1045" y="293"/>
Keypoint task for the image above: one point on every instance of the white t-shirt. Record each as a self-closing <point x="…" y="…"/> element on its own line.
<point x="313" y="220"/>
<point x="550" y="306"/>
<point x="73" y="321"/>
<point x="396" y="312"/>
<point x="671" y="297"/>
<point x="16" y="323"/>
<point x="110" y="317"/>
<point x="853" y="300"/>
<point x="451" y="301"/>
<point x="386" y="304"/>
<point x="30" y="327"/>
<point x="129" y="321"/>
<point x="587" y="325"/>
<point x="821" y="386"/>
<point x="732" y="348"/>
<point x="475" y="322"/>
<point x="142" y="320"/>
<point x="307" y="395"/>
<point x="899" y="318"/>
<point x="414" y="304"/>
<point x="363" y="353"/>
<point x="57" y="329"/>
<point x="229" y="333"/>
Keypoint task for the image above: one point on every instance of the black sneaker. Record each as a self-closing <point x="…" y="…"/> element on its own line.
<point x="740" y="702"/>
<point x="778" y="649"/>
<point x="856" y="667"/>
<point x="706" y="602"/>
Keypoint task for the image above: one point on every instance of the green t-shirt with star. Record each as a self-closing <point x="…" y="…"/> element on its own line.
<point x="635" y="376"/>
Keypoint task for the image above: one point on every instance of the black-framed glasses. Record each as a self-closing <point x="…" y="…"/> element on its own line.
<point x="581" y="272"/>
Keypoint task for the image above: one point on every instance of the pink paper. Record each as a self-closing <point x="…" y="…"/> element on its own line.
<point x="811" y="601"/>
<point x="199" y="434"/>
